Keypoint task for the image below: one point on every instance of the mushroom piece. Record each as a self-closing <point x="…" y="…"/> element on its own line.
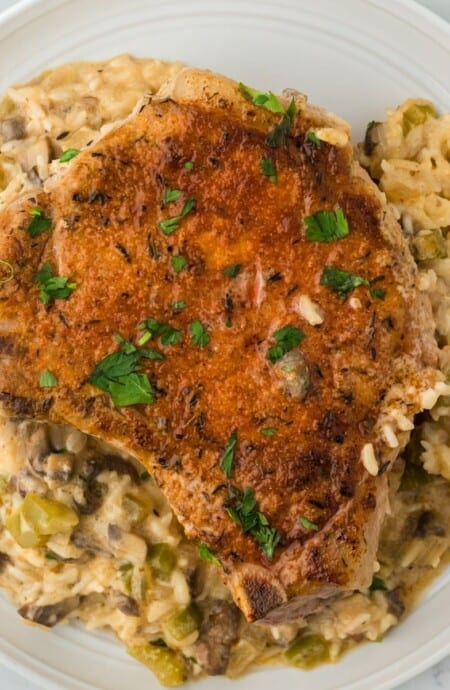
<point x="395" y="602"/>
<point x="293" y="374"/>
<point x="127" y="605"/>
<point x="12" y="128"/>
<point x="51" y="614"/>
<point x="218" y="632"/>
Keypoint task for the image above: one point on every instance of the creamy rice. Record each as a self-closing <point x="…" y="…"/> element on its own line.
<point x="117" y="557"/>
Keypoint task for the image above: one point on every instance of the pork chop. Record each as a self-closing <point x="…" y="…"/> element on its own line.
<point x="217" y="288"/>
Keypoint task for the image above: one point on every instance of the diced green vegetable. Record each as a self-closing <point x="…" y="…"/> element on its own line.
<point x="416" y="115"/>
<point x="307" y="651"/>
<point x="22" y="532"/>
<point x="162" y="560"/>
<point x="136" y="508"/>
<point x="184" y="622"/>
<point x="3" y="484"/>
<point x="429" y="245"/>
<point x="126" y="573"/>
<point x="48" y="516"/>
<point x="167" y="665"/>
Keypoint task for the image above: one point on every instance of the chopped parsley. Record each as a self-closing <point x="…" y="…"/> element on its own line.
<point x="199" y="334"/>
<point x="178" y="263"/>
<point x="169" y="225"/>
<point x="189" y="165"/>
<point x="206" y="554"/>
<point x="52" y="287"/>
<point x="377" y="585"/>
<point x="38" y="223"/>
<point x="268" y="431"/>
<point x="340" y="281"/>
<point x="68" y="154"/>
<point x="287" y="338"/>
<point x="232" y="271"/>
<point x="10" y="269"/>
<point x="144" y="476"/>
<point x="278" y="136"/>
<point x="47" y="379"/>
<point x="326" y="226"/>
<point x="171" y="195"/>
<point x="242" y="509"/>
<point x="264" y="100"/>
<point x="228" y="322"/>
<point x="307" y="524"/>
<point x="268" y="169"/>
<point x="378" y="293"/>
<point x="226" y="464"/>
<point x="314" y="139"/>
<point x="181" y="304"/>
<point x="118" y="374"/>
<point x="154" y="329"/>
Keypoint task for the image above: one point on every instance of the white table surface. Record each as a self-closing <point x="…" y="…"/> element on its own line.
<point x="436" y="678"/>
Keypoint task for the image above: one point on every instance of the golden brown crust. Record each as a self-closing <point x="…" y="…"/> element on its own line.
<point x="105" y="212"/>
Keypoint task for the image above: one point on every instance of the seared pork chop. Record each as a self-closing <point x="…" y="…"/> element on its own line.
<point x="236" y="308"/>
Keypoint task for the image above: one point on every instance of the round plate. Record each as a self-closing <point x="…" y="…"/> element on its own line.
<point x="355" y="57"/>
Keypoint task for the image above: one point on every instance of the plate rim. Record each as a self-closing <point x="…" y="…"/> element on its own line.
<point x="430" y="24"/>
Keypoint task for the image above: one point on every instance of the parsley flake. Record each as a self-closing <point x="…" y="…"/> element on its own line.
<point x="169" y="225"/>
<point x="206" y="554"/>
<point x="340" y="281"/>
<point x="268" y="169"/>
<point x="378" y="293"/>
<point x="189" y="165"/>
<point x="377" y="585"/>
<point x="52" y="287"/>
<point x="181" y="304"/>
<point x="326" y="226"/>
<point x="38" y="223"/>
<point x="68" y="154"/>
<point x="47" y="379"/>
<point x="307" y="524"/>
<point x="264" y="100"/>
<point x="199" y="334"/>
<point x="268" y="431"/>
<point x="144" y="476"/>
<point x="287" y="338"/>
<point x="278" y="136"/>
<point x="314" y="139"/>
<point x="232" y="271"/>
<point x="178" y="263"/>
<point x="154" y="329"/>
<point x="171" y="195"/>
<point x="118" y="374"/>
<point x="226" y="464"/>
<point x="242" y="509"/>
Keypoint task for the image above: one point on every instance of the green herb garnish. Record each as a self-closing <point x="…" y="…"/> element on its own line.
<point x="181" y="304"/>
<point x="314" y="139"/>
<point x="226" y="464"/>
<point x="268" y="169"/>
<point x="171" y="195"/>
<point x="47" y="379"/>
<point x="268" y="431"/>
<point x="307" y="524"/>
<point x="189" y="165"/>
<point x="232" y="271"/>
<point x="68" y="155"/>
<point x="154" y="329"/>
<point x="11" y="272"/>
<point x="377" y="585"/>
<point x="178" y="263"/>
<point x="199" y="334"/>
<point x="287" y="338"/>
<point x="278" y="136"/>
<point x="378" y="293"/>
<point x="144" y="476"/>
<point x="38" y="223"/>
<point x="206" y="554"/>
<point x="264" y="100"/>
<point x="52" y="287"/>
<point x="340" y="281"/>
<point x="326" y="226"/>
<point x="228" y="322"/>
<point x="118" y="374"/>
<point x="169" y="225"/>
<point x="242" y="509"/>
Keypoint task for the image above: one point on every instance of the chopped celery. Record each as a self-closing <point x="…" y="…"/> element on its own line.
<point x="307" y="651"/>
<point x="3" y="484"/>
<point x="48" y="516"/>
<point x="162" y="560"/>
<point x="416" y="115"/>
<point x="126" y="573"/>
<point x="136" y="508"/>
<point x="168" y="666"/>
<point x="429" y="245"/>
<point x="184" y="622"/>
<point x="23" y="533"/>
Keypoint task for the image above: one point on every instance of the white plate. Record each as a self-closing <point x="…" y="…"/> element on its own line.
<point x="354" y="56"/>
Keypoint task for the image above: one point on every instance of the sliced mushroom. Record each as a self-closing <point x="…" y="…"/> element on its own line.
<point x="25" y="483"/>
<point x="395" y="602"/>
<point x="218" y="632"/>
<point x="51" y="614"/>
<point x="127" y="605"/>
<point x="97" y="464"/>
<point x="86" y="541"/>
<point x="293" y="374"/>
<point x="12" y="128"/>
